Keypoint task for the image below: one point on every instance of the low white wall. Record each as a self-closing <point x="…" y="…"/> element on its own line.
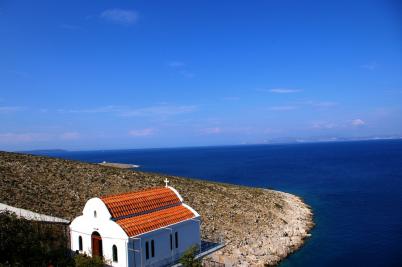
<point x="30" y="215"/>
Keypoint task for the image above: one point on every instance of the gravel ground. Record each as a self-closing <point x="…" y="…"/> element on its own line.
<point x="260" y="226"/>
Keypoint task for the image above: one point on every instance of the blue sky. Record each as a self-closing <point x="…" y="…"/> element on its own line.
<point x="134" y="74"/>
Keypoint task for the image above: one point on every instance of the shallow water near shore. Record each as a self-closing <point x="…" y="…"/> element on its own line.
<point x="354" y="188"/>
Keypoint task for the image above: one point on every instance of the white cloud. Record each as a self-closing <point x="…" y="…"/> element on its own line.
<point x="283" y="108"/>
<point x="271" y="131"/>
<point x="10" y="109"/>
<point x="181" y="69"/>
<point x="339" y="125"/>
<point x="120" y="16"/>
<point x="370" y="66"/>
<point x="358" y="122"/>
<point x="104" y="109"/>
<point x="70" y="136"/>
<point x="10" y="137"/>
<point x="186" y="73"/>
<point x="158" y="110"/>
<point x="162" y="110"/>
<point x="212" y="130"/>
<point x="7" y="138"/>
<point x="324" y="104"/>
<point x="319" y="104"/>
<point x="176" y="64"/>
<point x="141" y="132"/>
<point x="305" y="104"/>
<point x="324" y="125"/>
<point x="283" y="90"/>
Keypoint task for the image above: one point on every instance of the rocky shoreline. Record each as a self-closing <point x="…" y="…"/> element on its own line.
<point x="259" y="226"/>
<point x="262" y="242"/>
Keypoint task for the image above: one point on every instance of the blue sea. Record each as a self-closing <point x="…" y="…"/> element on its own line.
<point x="354" y="188"/>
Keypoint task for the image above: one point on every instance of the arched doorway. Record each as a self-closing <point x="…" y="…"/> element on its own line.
<point x="96" y="244"/>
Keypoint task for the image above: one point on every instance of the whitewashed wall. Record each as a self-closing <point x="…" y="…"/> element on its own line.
<point x="110" y="232"/>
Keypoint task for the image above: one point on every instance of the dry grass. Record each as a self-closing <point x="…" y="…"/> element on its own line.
<point x="244" y="216"/>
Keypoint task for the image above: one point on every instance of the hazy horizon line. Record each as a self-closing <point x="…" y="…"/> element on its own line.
<point x="294" y="142"/>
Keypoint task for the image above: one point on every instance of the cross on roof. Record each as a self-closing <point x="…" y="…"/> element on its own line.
<point x="166" y="182"/>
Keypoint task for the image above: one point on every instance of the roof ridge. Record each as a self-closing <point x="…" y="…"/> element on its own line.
<point x="133" y="192"/>
<point x="147" y="212"/>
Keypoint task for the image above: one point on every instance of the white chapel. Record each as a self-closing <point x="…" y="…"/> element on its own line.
<point x="152" y="227"/>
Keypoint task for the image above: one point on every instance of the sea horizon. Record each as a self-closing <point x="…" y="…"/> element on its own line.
<point x="51" y="150"/>
<point x="354" y="189"/>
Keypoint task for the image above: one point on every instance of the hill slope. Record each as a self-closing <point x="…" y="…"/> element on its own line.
<point x="259" y="226"/>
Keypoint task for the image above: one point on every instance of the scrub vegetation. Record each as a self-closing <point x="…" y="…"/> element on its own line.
<point x="30" y="243"/>
<point x="259" y="226"/>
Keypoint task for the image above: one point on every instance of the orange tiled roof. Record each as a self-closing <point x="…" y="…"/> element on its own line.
<point x="147" y="222"/>
<point x="134" y="203"/>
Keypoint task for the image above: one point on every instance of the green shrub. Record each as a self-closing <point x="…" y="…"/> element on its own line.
<point x="188" y="258"/>
<point x="85" y="261"/>
<point x="30" y="243"/>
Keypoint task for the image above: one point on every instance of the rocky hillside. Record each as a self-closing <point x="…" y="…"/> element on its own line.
<point x="259" y="226"/>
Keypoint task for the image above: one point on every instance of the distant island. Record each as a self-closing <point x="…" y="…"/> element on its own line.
<point x="119" y="165"/>
<point x="259" y="226"/>
<point x="43" y="151"/>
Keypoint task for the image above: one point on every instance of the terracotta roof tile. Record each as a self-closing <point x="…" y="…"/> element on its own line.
<point x="134" y="203"/>
<point x="151" y="221"/>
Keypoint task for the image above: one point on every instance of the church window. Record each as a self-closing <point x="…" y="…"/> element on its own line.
<point x="176" y="237"/>
<point x="114" y="250"/>
<point x="80" y="243"/>
<point x="146" y="250"/>
<point x="152" y="248"/>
